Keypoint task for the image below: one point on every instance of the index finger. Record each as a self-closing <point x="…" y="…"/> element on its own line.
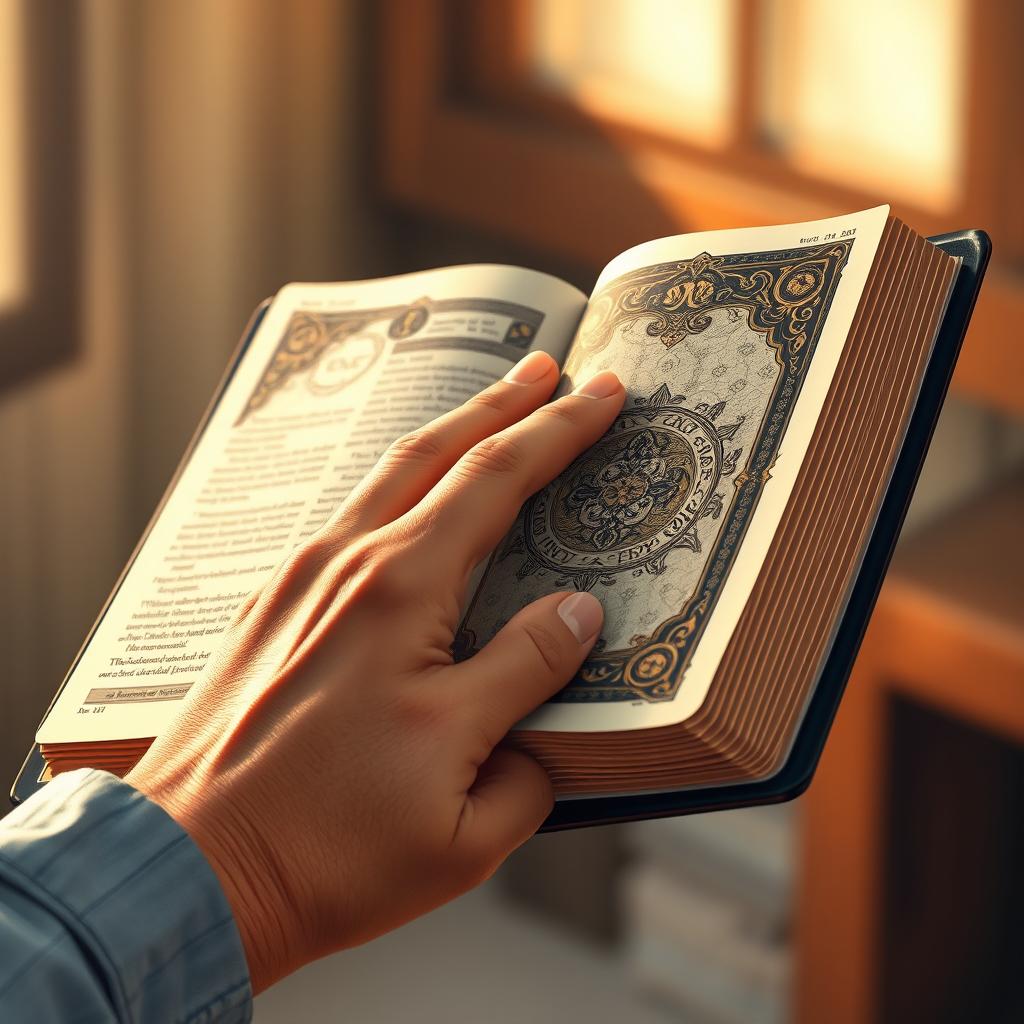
<point x="473" y="506"/>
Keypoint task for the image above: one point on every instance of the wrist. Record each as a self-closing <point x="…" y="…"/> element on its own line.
<point x="248" y="894"/>
<point x="242" y="869"/>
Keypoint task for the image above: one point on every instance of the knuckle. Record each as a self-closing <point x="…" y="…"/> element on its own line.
<point x="387" y="578"/>
<point x="301" y="562"/>
<point x="417" y="446"/>
<point x="358" y="559"/>
<point x="564" y="412"/>
<point x="548" y="646"/>
<point x="245" y="609"/>
<point x="492" y="399"/>
<point x="494" y="456"/>
<point x="294" y="573"/>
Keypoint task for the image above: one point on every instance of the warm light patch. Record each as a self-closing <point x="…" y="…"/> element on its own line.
<point x="12" y="152"/>
<point x="865" y="93"/>
<point x="869" y="93"/>
<point x="660" y="64"/>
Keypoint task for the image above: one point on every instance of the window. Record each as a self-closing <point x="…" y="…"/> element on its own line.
<point x="13" y="249"/>
<point x="880" y="104"/>
<point x="669" y="67"/>
<point x="867" y="94"/>
<point x="582" y="127"/>
<point x="39" y="171"/>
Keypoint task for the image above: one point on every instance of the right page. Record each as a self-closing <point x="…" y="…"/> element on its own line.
<point x="727" y="343"/>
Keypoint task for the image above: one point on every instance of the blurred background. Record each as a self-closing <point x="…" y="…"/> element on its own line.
<point x="166" y="165"/>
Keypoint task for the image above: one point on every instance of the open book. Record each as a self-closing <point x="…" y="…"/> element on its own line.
<point x="771" y="375"/>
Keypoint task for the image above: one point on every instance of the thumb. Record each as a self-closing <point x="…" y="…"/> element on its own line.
<point x="508" y="802"/>
<point x="537" y="652"/>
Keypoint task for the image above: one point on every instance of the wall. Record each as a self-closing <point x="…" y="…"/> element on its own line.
<point x="222" y="159"/>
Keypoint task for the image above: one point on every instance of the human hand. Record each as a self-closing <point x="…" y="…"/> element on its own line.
<point x="341" y="774"/>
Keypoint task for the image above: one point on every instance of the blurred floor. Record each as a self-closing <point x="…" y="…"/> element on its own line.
<point x="477" y="959"/>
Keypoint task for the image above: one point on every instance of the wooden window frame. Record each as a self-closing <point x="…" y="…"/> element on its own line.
<point x="466" y="137"/>
<point x="42" y="330"/>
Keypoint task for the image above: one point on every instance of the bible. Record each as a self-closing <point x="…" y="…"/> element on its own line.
<point x="736" y="520"/>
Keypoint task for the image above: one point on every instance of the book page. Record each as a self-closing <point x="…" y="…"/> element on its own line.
<point x="727" y="343"/>
<point x="332" y="376"/>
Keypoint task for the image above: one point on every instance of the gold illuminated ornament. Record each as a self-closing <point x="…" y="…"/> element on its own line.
<point x="800" y="283"/>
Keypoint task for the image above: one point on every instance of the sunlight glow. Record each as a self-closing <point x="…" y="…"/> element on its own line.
<point x="13" y="268"/>
<point x="660" y="64"/>
<point x="869" y="93"/>
<point x="865" y="93"/>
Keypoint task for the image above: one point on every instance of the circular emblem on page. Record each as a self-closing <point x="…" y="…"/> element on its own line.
<point x="630" y="498"/>
<point x="343" y="362"/>
<point x="801" y="283"/>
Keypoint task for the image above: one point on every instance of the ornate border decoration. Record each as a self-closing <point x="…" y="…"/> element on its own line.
<point x="786" y="296"/>
<point x="305" y="339"/>
<point x="308" y="334"/>
<point x="638" y="493"/>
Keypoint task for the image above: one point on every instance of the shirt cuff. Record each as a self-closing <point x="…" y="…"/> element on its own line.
<point x="138" y="895"/>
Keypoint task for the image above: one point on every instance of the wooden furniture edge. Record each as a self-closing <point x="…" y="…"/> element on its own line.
<point x="931" y="644"/>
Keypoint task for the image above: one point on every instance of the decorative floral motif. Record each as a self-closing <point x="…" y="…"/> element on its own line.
<point x="612" y="504"/>
<point x="309" y="334"/>
<point x="777" y="292"/>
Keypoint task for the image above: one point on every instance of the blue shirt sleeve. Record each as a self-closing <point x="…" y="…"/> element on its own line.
<point x="109" y="911"/>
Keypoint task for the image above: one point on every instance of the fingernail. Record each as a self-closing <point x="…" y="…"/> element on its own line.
<point x="529" y="369"/>
<point x="583" y="614"/>
<point x="601" y="385"/>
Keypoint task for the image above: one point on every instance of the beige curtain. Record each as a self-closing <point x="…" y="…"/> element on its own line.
<point x="222" y="159"/>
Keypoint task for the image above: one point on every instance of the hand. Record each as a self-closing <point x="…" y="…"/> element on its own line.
<point x="341" y="774"/>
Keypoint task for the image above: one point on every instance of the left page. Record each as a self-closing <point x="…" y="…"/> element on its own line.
<point x="333" y="375"/>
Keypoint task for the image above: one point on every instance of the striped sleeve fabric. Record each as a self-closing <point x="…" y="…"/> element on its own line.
<point x="109" y="911"/>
